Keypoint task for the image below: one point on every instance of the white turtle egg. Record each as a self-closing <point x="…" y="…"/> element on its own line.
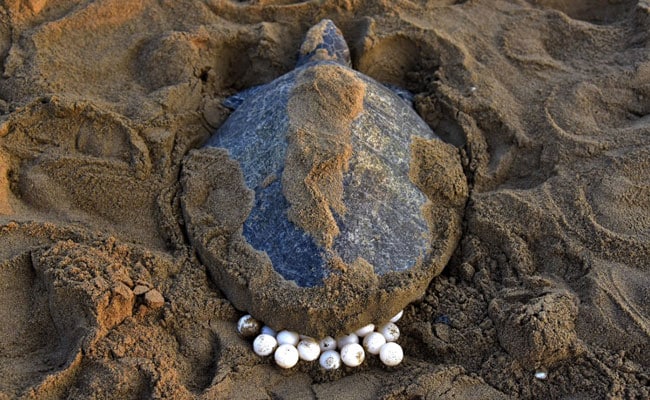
<point x="286" y="356"/>
<point x="346" y="339"/>
<point x="330" y="359"/>
<point x="352" y="354"/>
<point x="362" y="332"/>
<point x="248" y="327"/>
<point x="397" y="317"/>
<point x="391" y="354"/>
<point x="288" y="337"/>
<point x="308" y="349"/>
<point x="390" y="331"/>
<point x="373" y="342"/>
<point x="269" y="331"/>
<point x="327" y="343"/>
<point x="264" y="344"/>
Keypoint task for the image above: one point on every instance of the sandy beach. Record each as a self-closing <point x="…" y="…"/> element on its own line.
<point x="102" y="103"/>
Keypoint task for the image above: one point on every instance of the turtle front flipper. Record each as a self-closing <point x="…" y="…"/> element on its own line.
<point x="402" y="93"/>
<point x="324" y="41"/>
<point x="234" y="101"/>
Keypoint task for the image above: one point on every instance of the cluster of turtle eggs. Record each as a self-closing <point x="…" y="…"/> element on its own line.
<point x="289" y="347"/>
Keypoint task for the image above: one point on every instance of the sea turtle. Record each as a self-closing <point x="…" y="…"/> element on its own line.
<point x="343" y="208"/>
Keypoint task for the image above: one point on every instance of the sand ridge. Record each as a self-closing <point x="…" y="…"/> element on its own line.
<point x="100" y="101"/>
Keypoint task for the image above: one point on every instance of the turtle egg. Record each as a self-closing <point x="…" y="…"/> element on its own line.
<point x="288" y="337"/>
<point x="390" y="331"/>
<point x="286" y="356"/>
<point x="397" y="317"/>
<point x="347" y="339"/>
<point x="248" y="327"/>
<point x="361" y="332"/>
<point x="391" y="354"/>
<point x="330" y="360"/>
<point x="352" y="354"/>
<point x="264" y="344"/>
<point x="373" y="342"/>
<point x="268" y="330"/>
<point x="308" y="349"/>
<point x="327" y="343"/>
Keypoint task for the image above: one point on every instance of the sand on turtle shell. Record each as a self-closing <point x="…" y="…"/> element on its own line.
<point x="319" y="151"/>
<point x="100" y="101"/>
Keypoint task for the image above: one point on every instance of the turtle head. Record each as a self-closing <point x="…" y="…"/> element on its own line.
<point x="324" y="41"/>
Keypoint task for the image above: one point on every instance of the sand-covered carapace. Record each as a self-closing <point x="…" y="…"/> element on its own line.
<point x="351" y="199"/>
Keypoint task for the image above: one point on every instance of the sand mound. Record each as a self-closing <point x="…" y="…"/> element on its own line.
<point x="548" y="102"/>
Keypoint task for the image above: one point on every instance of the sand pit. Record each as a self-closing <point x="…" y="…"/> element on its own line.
<point x="100" y="102"/>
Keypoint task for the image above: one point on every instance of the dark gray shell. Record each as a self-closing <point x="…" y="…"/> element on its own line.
<point x="384" y="223"/>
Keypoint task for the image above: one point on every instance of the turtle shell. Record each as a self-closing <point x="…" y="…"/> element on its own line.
<point x="339" y="224"/>
<point x="381" y="220"/>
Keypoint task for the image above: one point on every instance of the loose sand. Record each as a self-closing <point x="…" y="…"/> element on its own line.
<point x="101" y="101"/>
